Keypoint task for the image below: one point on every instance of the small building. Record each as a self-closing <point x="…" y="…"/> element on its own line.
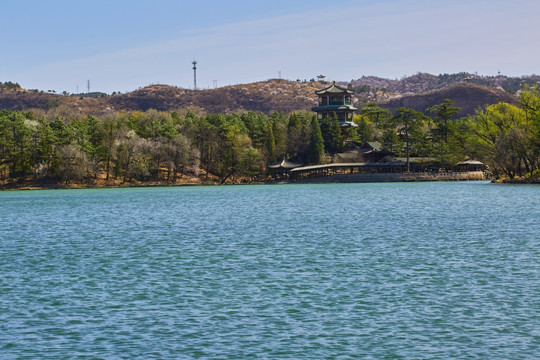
<point x="281" y="170"/>
<point x="415" y="163"/>
<point x="369" y="146"/>
<point x="471" y="165"/>
<point x="335" y="100"/>
<point x="372" y="151"/>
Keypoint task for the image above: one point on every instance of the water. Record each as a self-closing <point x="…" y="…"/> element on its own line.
<point x="374" y="271"/>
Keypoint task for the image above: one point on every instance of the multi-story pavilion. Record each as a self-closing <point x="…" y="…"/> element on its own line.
<point x="335" y="100"/>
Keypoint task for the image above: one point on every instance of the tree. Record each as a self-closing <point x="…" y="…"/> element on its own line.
<point x="174" y="153"/>
<point x="42" y="147"/>
<point x="126" y="153"/>
<point x="270" y="144"/>
<point x="332" y="135"/>
<point x="444" y="136"/>
<point x="364" y="131"/>
<point x="294" y="130"/>
<point x="279" y="130"/>
<point x="316" y="143"/>
<point x="530" y="103"/>
<point x="109" y="131"/>
<point x="496" y="139"/>
<point x="257" y="127"/>
<point x="408" y="121"/>
<point x="390" y="141"/>
<point x="375" y="113"/>
<point x="238" y="156"/>
<point x="70" y="163"/>
<point x="16" y="137"/>
<point x="443" y="113"/>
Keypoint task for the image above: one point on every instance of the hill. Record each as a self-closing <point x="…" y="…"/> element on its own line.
<point x="422" y="82"/>
<point x="266" y="97"/>
<point x="419" y="91"/>
<point x="469" y="97"/>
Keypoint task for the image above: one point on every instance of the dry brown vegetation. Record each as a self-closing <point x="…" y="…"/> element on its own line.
<point x="265" y="97"/>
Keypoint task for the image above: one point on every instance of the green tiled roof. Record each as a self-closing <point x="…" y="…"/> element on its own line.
<point x="333" y="108"/>
<point x="333" y="89"/>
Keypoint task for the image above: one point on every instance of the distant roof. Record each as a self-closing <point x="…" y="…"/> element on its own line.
<point x="327" y="166"/>
<point x="372" y="145"/>
<point x="470" y="162"/>
<point x="284" y="164"/>
<point x="403" y="160"/>
<point x="333" y="89"/>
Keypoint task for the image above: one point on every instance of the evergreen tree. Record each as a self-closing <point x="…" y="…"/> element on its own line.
<point x="364" y="132"/>
<point x="375" y="113"/>
<point x="294" y="129"/>
<point x="331" y="133"/>
<point x="316" y="143"/>
<point x="408" y="122"/>
<point x="271" y="143"/>
<point x="443" y="112"/>
<point x="444" y="140"/>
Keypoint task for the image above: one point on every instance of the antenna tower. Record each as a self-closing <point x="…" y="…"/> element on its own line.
<point x="88" y="86"/>
<point x="194" y="74"/>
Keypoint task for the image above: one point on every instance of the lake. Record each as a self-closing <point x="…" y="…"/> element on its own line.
<point x="438" y="270"/>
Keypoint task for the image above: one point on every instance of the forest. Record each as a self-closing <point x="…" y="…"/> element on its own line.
<point x="60" y="146"/>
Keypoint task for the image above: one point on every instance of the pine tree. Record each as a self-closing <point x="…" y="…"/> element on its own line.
<point x="294" y="129"/>
<point x="316" y="143"/>
<point x="271" y="143"/>
<point x="331" y="133"/>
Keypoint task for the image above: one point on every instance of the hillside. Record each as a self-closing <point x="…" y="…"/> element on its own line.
<point x="265" y="97"/>
<point x="469" y="97"/>
<point x="422" y="82"/>
<point x="419" y="91"/>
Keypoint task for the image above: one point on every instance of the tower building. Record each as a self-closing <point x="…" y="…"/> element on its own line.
<point x="335" y="100"/>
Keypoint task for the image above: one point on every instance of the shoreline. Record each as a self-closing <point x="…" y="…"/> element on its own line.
<point x="150" y="185"/>
<point x="37" y="185"/>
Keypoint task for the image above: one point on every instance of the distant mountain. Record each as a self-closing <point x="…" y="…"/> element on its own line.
<point x="266" y="97"/>
<point x="422" y="82"/>
<point x="469" y="97"/>
<point x="420" y="91"/>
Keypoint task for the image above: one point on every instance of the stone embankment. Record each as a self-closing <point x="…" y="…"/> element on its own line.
<point x="397" y="177"/>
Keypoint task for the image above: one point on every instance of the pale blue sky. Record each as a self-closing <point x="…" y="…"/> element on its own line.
<point x="121" y="45"/>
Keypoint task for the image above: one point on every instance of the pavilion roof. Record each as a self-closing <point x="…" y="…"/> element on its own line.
<point x="284" y="164"/>
<point x="333" y="89"/>
<point x="470" y="162"/>
<point x="333" y="108"/>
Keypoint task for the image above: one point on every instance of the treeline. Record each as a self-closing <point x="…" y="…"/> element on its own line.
<point x="149" y="146"/>
<point x="164" y="146"/>
<point x="503" y="136"/>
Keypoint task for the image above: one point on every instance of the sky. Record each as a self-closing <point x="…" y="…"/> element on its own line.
<point x="122" y="45"/>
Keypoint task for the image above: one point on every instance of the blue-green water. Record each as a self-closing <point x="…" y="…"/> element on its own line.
<point x="375" y="271"/>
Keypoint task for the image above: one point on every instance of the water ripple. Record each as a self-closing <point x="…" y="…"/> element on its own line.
<point x="440" y="271"/>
